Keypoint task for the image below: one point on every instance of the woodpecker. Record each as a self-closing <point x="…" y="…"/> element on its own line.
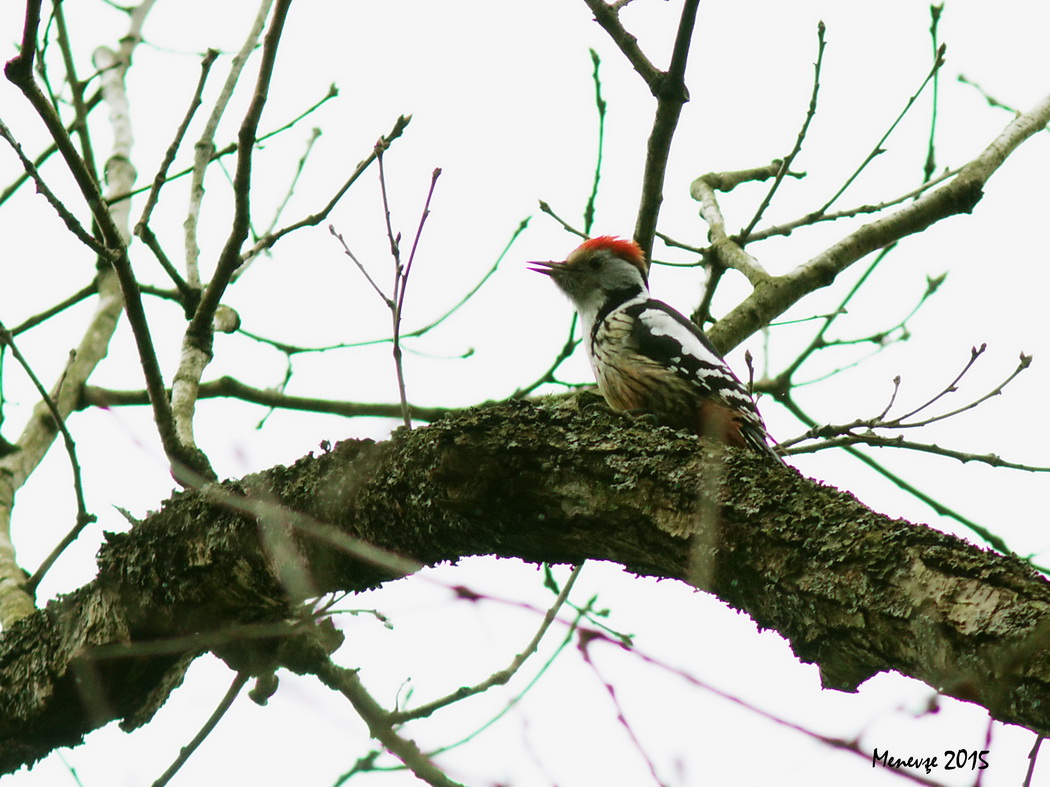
<point x="646" y="356"/>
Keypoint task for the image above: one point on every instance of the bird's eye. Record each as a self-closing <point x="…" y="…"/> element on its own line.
<point x="594" y="263"/>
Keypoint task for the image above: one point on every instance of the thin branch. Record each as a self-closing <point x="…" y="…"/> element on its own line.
<point x="225" y="151"/>
<point x="205" y="148"/>
<point x="1033" y="755"/>
<point x="785" y="167"/>
<point x="546" y="208"/>
<point x="63" y="212"/>
<point x="315" y="134"/>
<point x="878" y="149"/>
<point x="1024" y="363"/>
<point x="360" y="266"/>
<point x="58" y="308"/>
<point x="224" y="705"/>
<point x="815" y="218"/>
<point x="585" y="636"/>
<point x="402" y="286"/>
<point x="975" y="353"/>
<point x="503" y="676"/>
<point x="845" y="434"/>
<point x="473" y="290"/>
<point x="19" y="69"/>
<point x="600" y="105"/>
<point x="76" y="89"/>
<point x="852" y="746"/>
<point x="573" y="626"/>
<point x="347" y="683"/>
<point x="990" y="538"/>
<point x="268" y="240"/>
<point x="162" y="172"/>
<point x="931" y="150"/>
<point x="992" y="100"/>
<point x="228" y="387"/>
<point x="608" y="17"/>
<point x="571" y="343"/>
<point x="187" y="296"/>
<point x="392" y="301"/>
<point x="230" y="256"/>
<point x="702" y="314"/>
<point x="668" y="87"/>
<point x="783" y="383"/>
<point x="866" y="438"/>
<point x="83" y="517"/>
<point x="671" y="97"/>
<point x="180" y="455"/>
<point x="198" y="339"/>
<point x="415" y="333"/>
<point x="6" y="194"/>
<point x="957" y="196"/>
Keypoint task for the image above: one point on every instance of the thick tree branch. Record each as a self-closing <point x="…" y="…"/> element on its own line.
<point x="853" y="591"/>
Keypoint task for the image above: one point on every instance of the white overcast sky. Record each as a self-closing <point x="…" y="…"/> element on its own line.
<point x="502" y="99"/>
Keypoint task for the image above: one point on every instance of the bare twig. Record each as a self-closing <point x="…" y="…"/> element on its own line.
<point x="360" y="266"/>
<point x="1033" y="755"/>
<point x="83" y="517"/>
<point x="546" y="208"/>
<point x="8" y="191"/>
<point x="846" y="434"/>
<point x="63" y="212"/>
<point x="315" y="134"/>
<point x="878" y="149"/>
<point x="228" y="387"/>
<point x="992" y="100"/>
<point x="931" y="152"/>
<point x="180" y="455"/>
<point x="784" y="382"/>
<point x="851" y="746"/>
<point x="501" y="677"/>
<point x="76" y="89"/>
<point x="571" y="343"/>
<point x="668" y="87"/>
<point x="600" y="105"/>
<point x="348" y="683"/>
<point x="939" y="508"/>
<point x="268" y="240"/>
<point x="142" y="228"/>
<point x="198" y="339"/>
<point x="401" y="285"/>
<point x="230" y="256"/>
<point x="814" y="218"/>
<point x="226" y="151"/>
<point x="58" y="308"/>
<point x="205" y="147"/>
<point x="224" y="705"/>
<point x="785" y="167"/>
<point x="585" y="636"/>
<point x="868" y="438"/>
<point x="959" y="195"/>
<point x="608" y="16"/>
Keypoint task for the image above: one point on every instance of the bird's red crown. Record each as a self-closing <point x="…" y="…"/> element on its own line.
<point x="625" y="249"/>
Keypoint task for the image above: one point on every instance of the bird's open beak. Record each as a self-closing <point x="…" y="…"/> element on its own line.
<point x="545" y="267"/>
